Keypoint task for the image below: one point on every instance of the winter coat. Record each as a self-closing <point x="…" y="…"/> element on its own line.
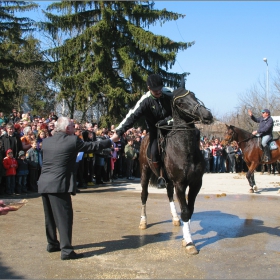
<point x="129" y="152"/>
<point x="22" y="167"/>
<point x="34" y="158"/>
<point x="265" y="125"/>
<point x="10" y="164"/>
<point x="11" y="142"/>
<point x="153" y="109"/>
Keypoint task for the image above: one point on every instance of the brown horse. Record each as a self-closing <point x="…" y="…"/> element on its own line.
<point x="252" y="153"/>
<point x="182" y="160"/>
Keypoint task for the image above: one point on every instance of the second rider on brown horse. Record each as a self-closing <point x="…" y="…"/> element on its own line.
<point x="264" y="130"/>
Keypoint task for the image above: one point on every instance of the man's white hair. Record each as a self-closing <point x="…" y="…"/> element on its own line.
<point x="26" y="130"/>
<point x="62" y="123"/>
<point x="88" y="125"/>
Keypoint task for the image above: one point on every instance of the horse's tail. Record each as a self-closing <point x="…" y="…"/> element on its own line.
<point x="153" y="180"/>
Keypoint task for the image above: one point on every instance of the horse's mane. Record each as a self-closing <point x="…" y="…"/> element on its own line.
<point x="178" y="92"/>
<point x="241" y="130"/>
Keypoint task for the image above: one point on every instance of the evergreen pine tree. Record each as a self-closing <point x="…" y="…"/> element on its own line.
<point x="12" y="30"/>
<point x="107" y="50"/>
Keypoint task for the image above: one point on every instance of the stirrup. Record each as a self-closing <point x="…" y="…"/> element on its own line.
<point x="161" y="183"/>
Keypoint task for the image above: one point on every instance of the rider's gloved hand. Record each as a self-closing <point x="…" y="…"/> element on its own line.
<point x="166" y="121"/>
<point x="170" y="122"/>
<point x="161" y="123"/>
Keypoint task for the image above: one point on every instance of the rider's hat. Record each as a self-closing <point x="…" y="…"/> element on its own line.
<point x="266" y="111"/>
<point x="154" y="82"/>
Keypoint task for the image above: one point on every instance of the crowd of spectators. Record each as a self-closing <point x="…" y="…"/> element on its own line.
<point x="23" y="134"/>
<point x="222" y="159"/>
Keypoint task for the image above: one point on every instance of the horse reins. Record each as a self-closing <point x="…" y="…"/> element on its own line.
<point x="191" y="115"/>
<point x="245" y="140"/>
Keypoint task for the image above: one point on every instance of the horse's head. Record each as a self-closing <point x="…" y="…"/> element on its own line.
<point x="230" y="135"/>
<point x="189" y="107"/>
<point x="234" y="133"/>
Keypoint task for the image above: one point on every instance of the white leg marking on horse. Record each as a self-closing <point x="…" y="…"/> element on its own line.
<point x="187" y="232"/>
<point x="173" y="209"/>
<point x="143" y="211"/>
<point x="143" y="220"/>
<point x="187" y="241"/>
<point x="175" y="217"/>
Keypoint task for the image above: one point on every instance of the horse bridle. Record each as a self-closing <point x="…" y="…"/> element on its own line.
<point x="192" y="113"/>
<point x="244" y="140"/>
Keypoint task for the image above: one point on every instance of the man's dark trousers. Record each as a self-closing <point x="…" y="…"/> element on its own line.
<point x="59" y="214"/>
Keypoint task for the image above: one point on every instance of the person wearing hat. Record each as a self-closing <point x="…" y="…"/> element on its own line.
<point x="10" y="165"/>
<point x="154" y="106"/>
<point x="264" y="130"/>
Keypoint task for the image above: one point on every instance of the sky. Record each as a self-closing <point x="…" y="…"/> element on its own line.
<point x="231" y="40"/>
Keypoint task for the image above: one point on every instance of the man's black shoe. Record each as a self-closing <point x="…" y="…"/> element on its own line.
<point x="53" y="249"/>
<point x="72" y="256"/>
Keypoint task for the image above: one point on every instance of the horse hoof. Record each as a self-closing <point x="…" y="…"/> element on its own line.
<point x="251" y="190"/>
<point x="191" y="249"/>
<point x="143" y="225"/>
<point x="255" y="188"/>
<point x="176" y="223"/>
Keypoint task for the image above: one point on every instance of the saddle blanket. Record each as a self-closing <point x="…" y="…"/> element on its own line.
<point x="273" y="145"/>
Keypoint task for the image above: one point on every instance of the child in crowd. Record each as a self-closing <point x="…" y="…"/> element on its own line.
<point x="10" y="164"/>
<point x="130" y="155"/>
<point x="41" y="136"/>
<point x="34" y="160"/>
<point x="22" y="172"/>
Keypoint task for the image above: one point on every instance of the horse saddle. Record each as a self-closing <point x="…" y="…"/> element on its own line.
<point x="161" y="144"/>
<point x="272" y="143"/>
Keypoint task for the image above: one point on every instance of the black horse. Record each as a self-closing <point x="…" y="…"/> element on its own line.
<point x="183" y="162"/>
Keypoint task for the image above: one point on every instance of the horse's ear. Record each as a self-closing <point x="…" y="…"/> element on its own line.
<point x="227" y="126"/>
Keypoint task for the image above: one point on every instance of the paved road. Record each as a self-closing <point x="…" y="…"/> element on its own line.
<point x="237" y="234"/>
<point x="228" y="183"/>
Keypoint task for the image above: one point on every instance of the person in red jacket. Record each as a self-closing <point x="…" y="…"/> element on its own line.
<point x="10" y="164"/>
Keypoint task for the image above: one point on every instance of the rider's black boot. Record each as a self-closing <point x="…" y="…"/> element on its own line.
<point x="161" y="183"/>
<point x="266" y="156"/>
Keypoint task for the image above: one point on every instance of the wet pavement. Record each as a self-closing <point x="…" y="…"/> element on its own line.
<point x="237" y="235"/>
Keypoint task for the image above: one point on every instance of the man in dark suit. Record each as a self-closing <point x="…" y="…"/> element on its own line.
<point x="57" y="183"/>
<point x="11" y="140"/>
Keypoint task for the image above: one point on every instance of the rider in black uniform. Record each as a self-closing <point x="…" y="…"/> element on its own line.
<point x="155" y="106"/>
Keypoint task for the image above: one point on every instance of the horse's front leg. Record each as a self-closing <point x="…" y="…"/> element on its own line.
<point x="145" y="176"/>
<point x="186" y="214"/>
<point x="251" y="178"/>
<point x="170" y="193"/>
